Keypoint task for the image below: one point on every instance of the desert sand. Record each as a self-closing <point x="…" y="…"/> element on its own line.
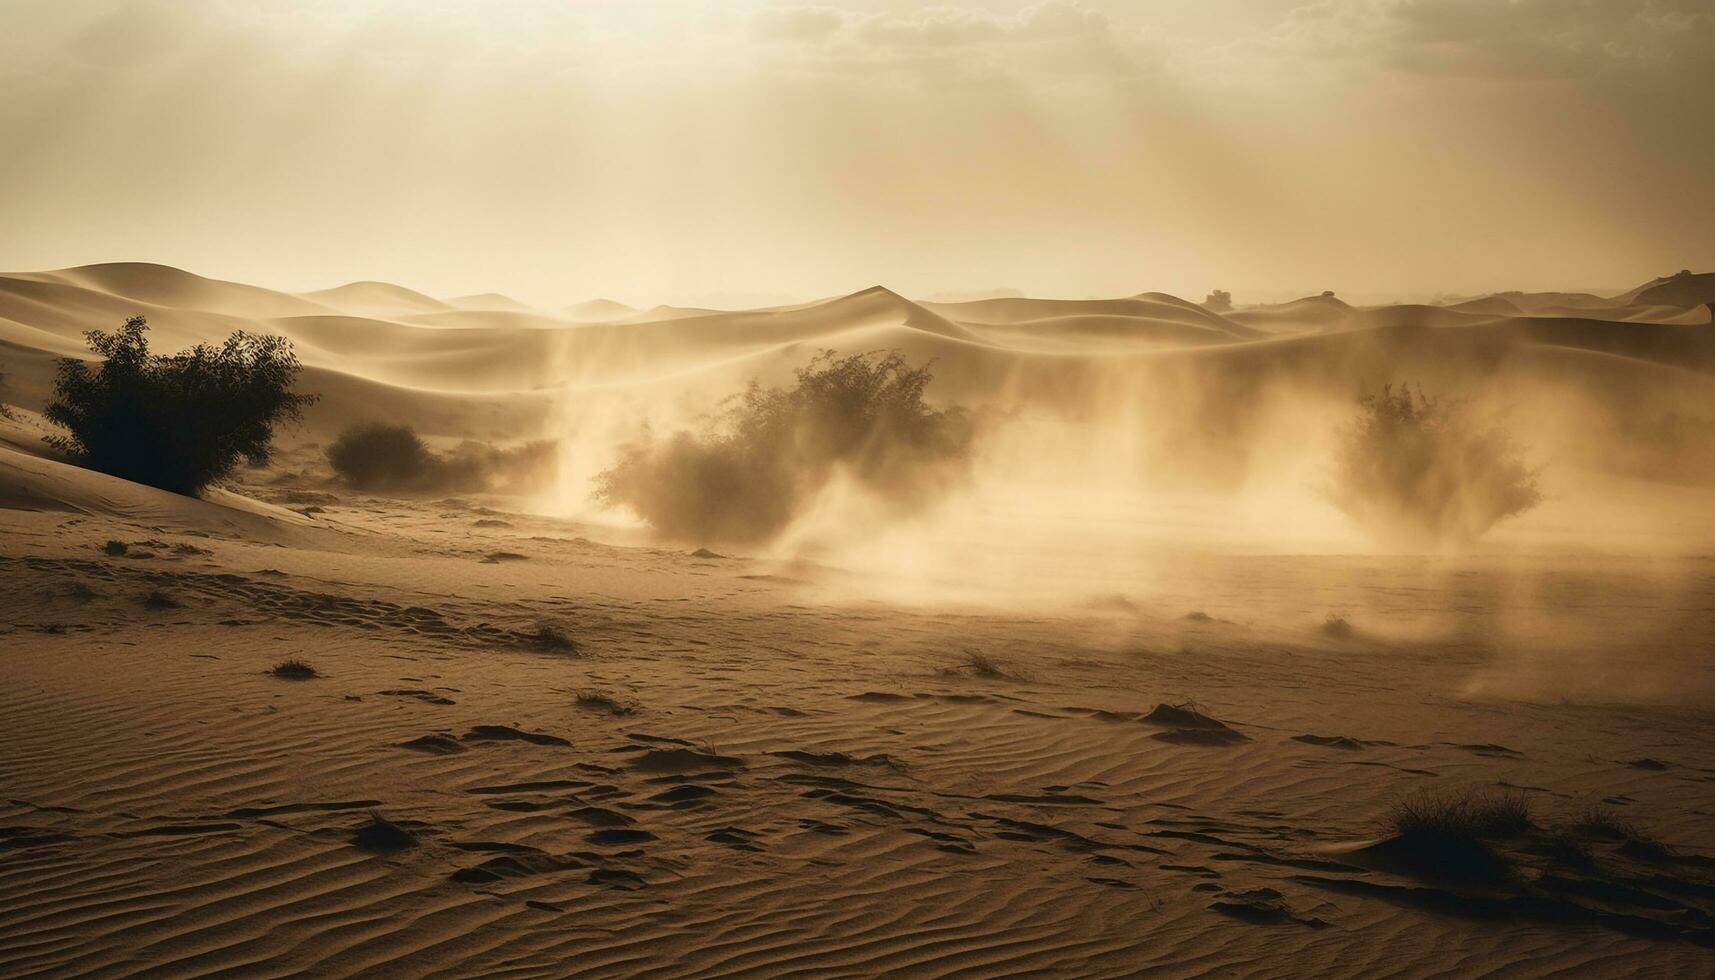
<point x="1133" y="700"/>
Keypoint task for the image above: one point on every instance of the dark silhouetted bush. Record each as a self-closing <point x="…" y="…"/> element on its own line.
<point x="382" y="834"/>
<point x="378" y="456"/>
<point x="1476" y="814"/>
<point x="1219" y="301"/>
<point x="181" y="421"/>
<point x="1418" y="469"/>
<point x="294" y="670"/>
<point x="759" y="463"/>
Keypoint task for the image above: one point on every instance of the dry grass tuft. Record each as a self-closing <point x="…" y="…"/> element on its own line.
<point x="294" y="670"/>
<point x="1472" y="815"/>
<point x="596" y="700"/>
<point x="381" y="834"/>
<point x="551" y="637"/>
<point x="157" y="599"/>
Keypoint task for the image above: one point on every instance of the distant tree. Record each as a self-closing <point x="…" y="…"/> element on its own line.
<point x="1415" y="468"/>
<point x="1219" y="301"/>
<point x="181" y="421"/>
<point x="1327" y="294"/>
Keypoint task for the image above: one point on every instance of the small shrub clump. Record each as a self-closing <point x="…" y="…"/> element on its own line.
<point x="377" y="456"/>
<point x="294" y="670"/>
<point x="1472" y="815"/>
<point x="382" y="834"/>
<point x="759" y="463"/>
<point x="551" y="637"/>
<point x="157" y="599"/>
<point x="595" y="700"/>
<point x="1418" y="469"/>
<point x="178" y="422"/>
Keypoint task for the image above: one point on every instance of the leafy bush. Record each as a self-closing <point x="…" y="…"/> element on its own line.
<point x="758" y="463"/>
<point x="181" y="421"/>
<point x="1416" y="468"/>
<point x="378" y="456"/>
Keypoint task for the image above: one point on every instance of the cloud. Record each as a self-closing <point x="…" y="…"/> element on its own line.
<point x="1497" y="39"/>
<point x="796" y="23"/>
<point x="1054" y="37"/>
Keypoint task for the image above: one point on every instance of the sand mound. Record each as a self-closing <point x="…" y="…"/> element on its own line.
<point x="382" y="299"/>
<point x="32" y="483"/>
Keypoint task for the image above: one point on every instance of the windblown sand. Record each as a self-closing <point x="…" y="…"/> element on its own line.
<point x="749" y="763"/>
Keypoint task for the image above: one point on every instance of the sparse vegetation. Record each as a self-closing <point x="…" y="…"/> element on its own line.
<point x="381" y="834"/>
<point x="115" y="549"/>
<point x="179" y="422"/>
<point x="377" y="456"/>
<point x="1472" y="814"/>
<point x="1448" y="835"/>
<point x="595" y="700"/>
<point x="1418" y="469"/>
<point x="758" y="464"/>
<point x="294" y="670"/>
<point x="381" y="457"/>
<point x="979" y="664"/>
<point x="1218" y="301"/>
<point x="157" y="599"/>
<point x="551" y="637"/>
<point x="1337" y="627"/>
<point x="1606" y="823"/>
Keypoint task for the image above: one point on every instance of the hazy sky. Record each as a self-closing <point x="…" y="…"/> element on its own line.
<point x="671" y="150"/>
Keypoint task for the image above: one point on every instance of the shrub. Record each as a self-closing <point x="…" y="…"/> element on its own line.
<point x="294" y="670"/>
<point x="157" y="599"/>
<point x="602" y="701"/>
<point x="179" y="422"/>
<point x="551" y="637"/>
<point x="1419" y="469"/>
<point x="378" y="456"/>
<point x="1218" y="301"/>
<point x="382" y="834"/>
<point x="1473" y="815"/>
<point x="1607" y="824"/>
<point x="772" y="450"/>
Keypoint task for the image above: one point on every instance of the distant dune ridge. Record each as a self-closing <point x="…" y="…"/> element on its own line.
<point x="486" y="367"/>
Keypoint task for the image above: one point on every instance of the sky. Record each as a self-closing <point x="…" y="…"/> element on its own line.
<point x="700" y="152"/>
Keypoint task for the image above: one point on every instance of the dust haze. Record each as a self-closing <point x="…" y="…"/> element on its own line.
<point x="1065" y="488"/>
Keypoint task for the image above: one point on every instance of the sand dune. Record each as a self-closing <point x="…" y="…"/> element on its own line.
<point x="1681" y="290"/>
<point x="377" y="299"/>
<point x="1148" y="726"/>
<point x="596" y="310"/>
<point x="491" y="301"/>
